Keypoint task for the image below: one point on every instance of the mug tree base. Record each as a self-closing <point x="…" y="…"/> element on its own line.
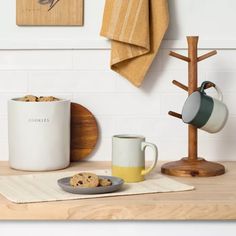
<point x="193" y="168"/>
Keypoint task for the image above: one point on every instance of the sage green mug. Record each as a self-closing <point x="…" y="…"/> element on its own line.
<point x="205" y="112"/>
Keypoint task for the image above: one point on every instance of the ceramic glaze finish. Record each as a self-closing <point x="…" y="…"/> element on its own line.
<point x="205" y="112"/>
<point x="129" y="174"/>
<point x="191" y="107"/>
<point x="39" y="135"/>
<point x="128" y="157"/>
<point x="127" y="151"/>
<point x="218" y="117"/>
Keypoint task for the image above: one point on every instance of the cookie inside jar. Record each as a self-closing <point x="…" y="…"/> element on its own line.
<point x="32" y="98"/>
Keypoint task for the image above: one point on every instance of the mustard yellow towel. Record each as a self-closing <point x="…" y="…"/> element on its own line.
<point x="136" y="28"/>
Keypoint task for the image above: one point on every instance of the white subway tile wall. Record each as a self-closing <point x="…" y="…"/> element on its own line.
<point x="84" y="77"/>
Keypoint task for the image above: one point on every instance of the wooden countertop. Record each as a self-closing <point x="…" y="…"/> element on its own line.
<point x="213" y="199"/>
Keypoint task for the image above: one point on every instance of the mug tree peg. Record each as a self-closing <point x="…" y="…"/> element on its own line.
<point x="180" y="85"/>
<point x="179" y="56"/>
<point x="205" y="56"/>
<point x="175" y="114"/>
<point x="184" y="87"/>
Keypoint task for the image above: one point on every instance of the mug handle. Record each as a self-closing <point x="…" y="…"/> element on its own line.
<point x="144" y="145"/>
<point x="219" y="93"/>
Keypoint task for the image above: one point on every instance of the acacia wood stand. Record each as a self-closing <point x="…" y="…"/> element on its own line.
<point x="192" y="165"/>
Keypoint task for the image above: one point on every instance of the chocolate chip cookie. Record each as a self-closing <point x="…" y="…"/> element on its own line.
<point x="32" y="98"/>
<point x="29" y="98"/>
<point x="84" y="179"/>
<point x="47" y="99"/>
<point x="105" y="182"/>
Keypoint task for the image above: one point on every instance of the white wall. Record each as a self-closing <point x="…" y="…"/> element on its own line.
<point x="213" y="21"/>
<point x="84" y="76"/>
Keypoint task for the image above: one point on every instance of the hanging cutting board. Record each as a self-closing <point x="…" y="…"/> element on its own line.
<point x="49" y="12"/>
<point x="84" y="132"/>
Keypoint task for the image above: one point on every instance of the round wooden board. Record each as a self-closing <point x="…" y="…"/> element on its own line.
<point x="84" y="132"/>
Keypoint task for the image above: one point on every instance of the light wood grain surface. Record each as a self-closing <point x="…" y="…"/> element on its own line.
<point x="213" y="199"/>
<point x="64" y="12"/>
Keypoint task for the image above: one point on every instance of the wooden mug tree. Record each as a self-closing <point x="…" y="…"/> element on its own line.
<point x="192" y="165"/>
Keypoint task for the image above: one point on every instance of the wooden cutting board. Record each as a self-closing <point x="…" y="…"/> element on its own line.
<point x="84" y="132"/>
<point x="49" y="12"/>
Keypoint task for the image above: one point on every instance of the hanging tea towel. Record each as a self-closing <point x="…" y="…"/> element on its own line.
<point x="136" y="29"/>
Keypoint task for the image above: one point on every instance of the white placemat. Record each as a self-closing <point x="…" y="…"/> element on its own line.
<point x="43" y="187"/>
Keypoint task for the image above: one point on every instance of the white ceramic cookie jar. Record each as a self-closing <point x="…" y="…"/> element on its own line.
<point x="39" y="135"/>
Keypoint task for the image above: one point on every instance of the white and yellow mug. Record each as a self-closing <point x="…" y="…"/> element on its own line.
<point x="128" y="157"/>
